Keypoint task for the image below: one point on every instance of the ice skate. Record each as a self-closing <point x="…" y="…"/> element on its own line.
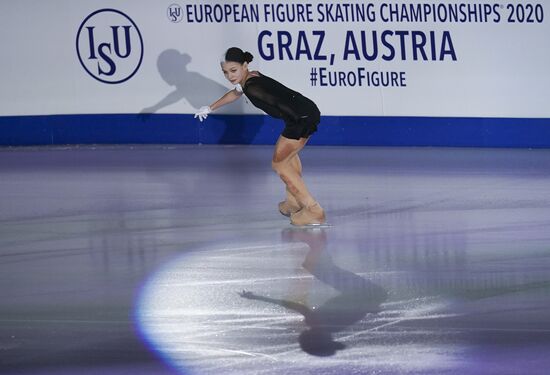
<point x="310" y="216"/>
<point x="289" y="206"/>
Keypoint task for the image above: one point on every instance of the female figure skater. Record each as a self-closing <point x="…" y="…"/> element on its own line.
<point x="301" y="117"/>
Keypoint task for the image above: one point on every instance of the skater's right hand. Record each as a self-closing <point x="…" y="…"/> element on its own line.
<point x="203" y="112"/>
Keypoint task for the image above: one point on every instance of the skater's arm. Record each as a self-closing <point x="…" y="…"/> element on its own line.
<point x="228" y="97"/>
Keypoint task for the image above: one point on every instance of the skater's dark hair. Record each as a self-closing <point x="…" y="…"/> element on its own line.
<point x="236" y="54"/>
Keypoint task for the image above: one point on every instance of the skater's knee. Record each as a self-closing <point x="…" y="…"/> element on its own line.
<point x="279" y="159"/>
<point x="275" y="166"/>
<point x="278" y="166"/>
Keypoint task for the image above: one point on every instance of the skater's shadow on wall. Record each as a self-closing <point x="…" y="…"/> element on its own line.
<point x="198" y="91"/>
<point x="357" y="296"/>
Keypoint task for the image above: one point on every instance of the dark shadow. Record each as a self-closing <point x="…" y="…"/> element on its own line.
<point x="198" y="91"/>
<point x="358" y="296"/>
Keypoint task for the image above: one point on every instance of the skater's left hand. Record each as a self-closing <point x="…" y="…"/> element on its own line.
<point x="203" y="112"/>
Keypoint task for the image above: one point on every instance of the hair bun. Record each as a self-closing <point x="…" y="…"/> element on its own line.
<point x="248" y="57"/>
<point x="237" y="55"/>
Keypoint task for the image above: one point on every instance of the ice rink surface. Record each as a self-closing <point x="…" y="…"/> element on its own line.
<point x="174" y="259"/>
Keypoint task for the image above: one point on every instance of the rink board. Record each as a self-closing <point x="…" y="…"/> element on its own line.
<point x="258" y="129"/>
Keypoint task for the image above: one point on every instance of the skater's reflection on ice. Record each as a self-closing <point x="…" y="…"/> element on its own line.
<point x="357" y="296"/>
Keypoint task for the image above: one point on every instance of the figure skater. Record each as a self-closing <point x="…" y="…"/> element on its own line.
<point x="301" y="117"/>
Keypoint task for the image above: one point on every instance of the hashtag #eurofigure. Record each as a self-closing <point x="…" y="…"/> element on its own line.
<point x="301" y="117"/>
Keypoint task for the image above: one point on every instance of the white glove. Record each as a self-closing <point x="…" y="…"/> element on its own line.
<point x="203" y="112"/>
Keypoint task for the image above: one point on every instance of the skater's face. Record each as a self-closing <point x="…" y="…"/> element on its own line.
<point x="235" y="72"/>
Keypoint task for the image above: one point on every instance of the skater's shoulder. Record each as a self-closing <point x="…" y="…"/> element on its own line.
<point x="254" y="77"/>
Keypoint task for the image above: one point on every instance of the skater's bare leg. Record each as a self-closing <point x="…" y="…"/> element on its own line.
<point x="285" y="151"/>
<point x="297" y="164"/>
<point x="290" y="204"/>
<point x="289" y="169"/>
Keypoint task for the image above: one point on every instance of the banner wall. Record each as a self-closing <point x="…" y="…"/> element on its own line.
<point x="374" y="68"/>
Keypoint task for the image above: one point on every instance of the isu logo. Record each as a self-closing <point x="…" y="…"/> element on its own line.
<point x="109" y="46"/>
<point x="174" y="13"/>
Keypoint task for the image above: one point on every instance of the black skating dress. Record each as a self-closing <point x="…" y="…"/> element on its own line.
<point x="299" y="113"/>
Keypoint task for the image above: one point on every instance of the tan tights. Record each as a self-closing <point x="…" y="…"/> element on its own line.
<point x="288" y="166"/>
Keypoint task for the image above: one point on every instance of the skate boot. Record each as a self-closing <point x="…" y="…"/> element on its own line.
<point x="289" y="206"/>
<point x="309" y="216"/>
